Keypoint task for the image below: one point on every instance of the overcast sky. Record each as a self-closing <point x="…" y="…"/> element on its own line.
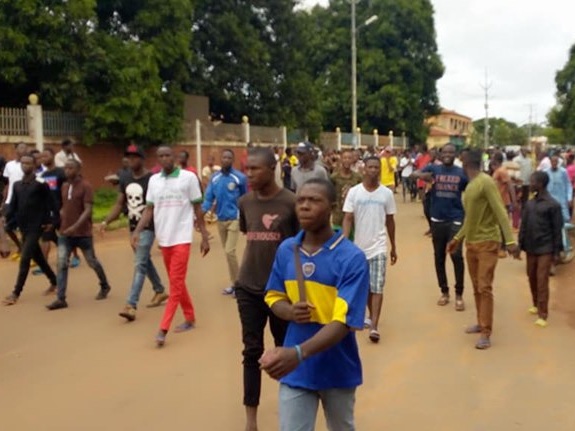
<point x="522" y="43"/>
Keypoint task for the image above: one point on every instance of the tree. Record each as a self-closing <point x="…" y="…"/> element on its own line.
<point x="502" y="133"/>
<point x="398" y="65"/>
<point x="562" y="116"/>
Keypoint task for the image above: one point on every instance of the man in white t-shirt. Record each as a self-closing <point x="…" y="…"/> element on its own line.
<point x="13" y="172"/>
<point x="173" y="197"/>
<point x="369" y="209"/>
<point x="65" y="154"/>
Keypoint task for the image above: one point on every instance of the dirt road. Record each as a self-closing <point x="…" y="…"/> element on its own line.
<point x="85" y="369"/>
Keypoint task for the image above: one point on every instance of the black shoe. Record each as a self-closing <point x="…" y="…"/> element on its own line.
<point x="57" y="304"/>
<point x="103" y="293"/>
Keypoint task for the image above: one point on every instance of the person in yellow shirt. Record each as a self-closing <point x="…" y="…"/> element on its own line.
<point x="290" y="156"/>
<point x="388" y="168"/>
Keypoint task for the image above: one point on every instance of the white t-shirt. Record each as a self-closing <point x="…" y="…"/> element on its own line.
<point x="172" y="197"/>
<point x="61" y="158"/>
<point x="370" y="210"/>
<point x="406" y="167"/>
<point x="12" y="171"/>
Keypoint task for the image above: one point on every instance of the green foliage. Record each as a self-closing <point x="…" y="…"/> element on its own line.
<point x="562" y="116"/>
<point x="502" y="133"/>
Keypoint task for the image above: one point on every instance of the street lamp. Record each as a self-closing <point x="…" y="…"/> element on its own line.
<point x="354" y="31"/>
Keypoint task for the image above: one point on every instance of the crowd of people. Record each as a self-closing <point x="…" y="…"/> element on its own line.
<point x="320" y="231"/>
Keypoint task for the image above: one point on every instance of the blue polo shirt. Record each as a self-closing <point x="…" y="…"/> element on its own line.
<point x="449" y="182"/>
<point x="225" y="188"/>
<point x="337" y="284"/>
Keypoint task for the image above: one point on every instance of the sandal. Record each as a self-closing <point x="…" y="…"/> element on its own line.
<point x="473" y="329"/>
<point x="186" y="326"/>
<point x="374" y="336"/>
<point x="10" y="299"/>
<point x="483" y="343"/>
<point x="459" y="304"/>
<point x="443" y="300"/>
<point x="161" y="339"/>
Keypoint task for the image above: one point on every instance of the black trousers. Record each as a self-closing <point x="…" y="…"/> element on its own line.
<point x="31" y="251"/>
<point x="427" y="207"/>
<point x="442" y="233"/>
<point x="254" y="314"/>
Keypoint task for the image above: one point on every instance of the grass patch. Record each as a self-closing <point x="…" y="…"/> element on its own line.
<point x="104" y="200"/>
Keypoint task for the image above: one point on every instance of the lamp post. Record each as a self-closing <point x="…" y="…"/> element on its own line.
<point x="354" y="31"/>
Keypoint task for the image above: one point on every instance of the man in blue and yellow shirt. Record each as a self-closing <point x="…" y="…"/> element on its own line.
<point x="320" y="358"/>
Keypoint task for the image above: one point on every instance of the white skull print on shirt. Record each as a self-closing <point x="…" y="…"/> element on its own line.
<point x="134" y="190"/>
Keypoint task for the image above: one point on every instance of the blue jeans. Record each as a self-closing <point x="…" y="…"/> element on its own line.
<point x="298" y="408"/>
<point x="65" y="246"/>
<point x="143" y="266"/>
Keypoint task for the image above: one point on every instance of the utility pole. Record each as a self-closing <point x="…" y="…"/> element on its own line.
<point x="353" y="70"/>
<point x="486" y="87"/>
<point x="530" y="123"/>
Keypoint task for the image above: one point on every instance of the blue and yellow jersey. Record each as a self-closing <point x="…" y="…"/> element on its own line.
<point x="337" y="285"/>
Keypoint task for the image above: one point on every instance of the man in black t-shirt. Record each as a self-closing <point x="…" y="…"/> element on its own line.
<point x="267" y="217"/>
<point x="132" y="195"/>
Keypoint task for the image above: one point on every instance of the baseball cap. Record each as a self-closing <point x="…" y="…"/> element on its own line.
<point x="134" y="150"/>
<point x="304" y="147"/>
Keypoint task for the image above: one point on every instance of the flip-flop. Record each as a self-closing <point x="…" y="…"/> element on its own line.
<point x="483" y="344"/>
<point x="10" y="300"/>
<point x="374" y="336"/>
<point x="459" y="305"/>
<point x="186" y="326"/>
<point x="473" y="329"/>
<point x="367" y="323"/>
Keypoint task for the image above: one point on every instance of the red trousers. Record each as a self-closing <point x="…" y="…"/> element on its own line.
<point x="176" y="260"/>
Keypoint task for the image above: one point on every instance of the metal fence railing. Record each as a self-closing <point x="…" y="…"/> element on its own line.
<point x="268" y="135"/>
<point x="57" y="123"/>
<point x="13" y="122"/>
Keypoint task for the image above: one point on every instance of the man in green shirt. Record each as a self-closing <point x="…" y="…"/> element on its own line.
<point x="343" y="180"/>
<point x="485" y="220"/>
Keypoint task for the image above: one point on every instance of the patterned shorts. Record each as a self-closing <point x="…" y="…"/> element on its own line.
<point x="377" y="266"/>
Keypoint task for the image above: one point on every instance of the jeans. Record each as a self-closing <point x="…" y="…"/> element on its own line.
<point x="442" y="233"/>
<point x="65" y="246"/>
<point x="176" y="260"/>
<point x="254" y="314"/>
<point x="229" y="232"/>
<point x="298" y="408"/>
<point x="538" y="268"/>
<point x="482" y="260"/>
<point x="31" y="251"/>
<point x="427" y="208"/>
<point x="143" y="266"/>
<point x="408" y="186"/>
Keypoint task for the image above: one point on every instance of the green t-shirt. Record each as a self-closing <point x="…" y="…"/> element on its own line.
<point x="342" y="185"/>
<point x="485" y="215"/>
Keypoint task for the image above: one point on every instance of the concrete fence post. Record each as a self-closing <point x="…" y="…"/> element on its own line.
<point x="35" y="122"/>
<point x="199" y="147"/>
<point x="338" y="138"/>
<point x="246" y="127"/>
<point x="284" y="137"/>
<point x="375" y="138"/>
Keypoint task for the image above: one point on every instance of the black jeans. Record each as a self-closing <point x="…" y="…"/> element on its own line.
<point x="31" y="251"/>
<point x="442" y="233"/>
<point x="427" y="208"/>
<point x="254" y="314"/>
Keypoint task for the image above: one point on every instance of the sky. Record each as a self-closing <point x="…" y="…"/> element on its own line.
<point x="521" y="44"/>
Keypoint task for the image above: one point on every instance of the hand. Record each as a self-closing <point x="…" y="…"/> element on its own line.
<point x="514" y="251"/>
<point x="205" y="246"/>
<point x="452" y="246"/>
<point x="279" y="362"/>
<point x="70" y="231"/>
<point x="102" y="228"/>
<point x="393" y="256"/>
<point x="135" y="240"/>
<point x="302" y="312"/>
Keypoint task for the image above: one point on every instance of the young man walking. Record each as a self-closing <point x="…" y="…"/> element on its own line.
<point x="319" y="283"/>
<point x="369" y="209"/>
<point x="267" y="217"/>
<point x="31" y="205"/>
<point x="173" y="199"/>
<point x="308" y="167"/>
<point x="540" y="238"/>
<point x="13" y="173"/>
<point x="449" y="182"/>
<point x="133" y="188"/>
<point x="343" y="180"/>
<point x="76" y="231"/>
<point x="485" y="219"/>
<point x="224" y="190"/>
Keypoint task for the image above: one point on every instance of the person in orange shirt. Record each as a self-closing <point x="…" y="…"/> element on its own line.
<point x="505" y="186"/>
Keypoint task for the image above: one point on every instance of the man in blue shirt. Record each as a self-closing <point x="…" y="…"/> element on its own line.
<point x="224" y="190"/>
<point x="449" y="181"/>
<point x="561" y="190"/>
<point x="320" y="358"/>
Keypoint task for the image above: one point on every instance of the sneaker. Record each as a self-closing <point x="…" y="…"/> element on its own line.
<point x="103" y="293"/>
<point x="186" y="326"/>
<point x="161" y="338"/>
<point x="542" y="323"/>
<point x="443" y="300"/>
<point x="37" y="271"/>
<point x="74" y="262"/>
<point x="459" y="304"/>
<point x="50" y="290"/>
<point x="158" y="299"/>
<point x="228" y="291"/>
<point x="532" y="310"/>
<point x="483" y="343"/>
<point x="473" y="329"/>
<point x="57" y="304"/>
<point x="128" y="313"/>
